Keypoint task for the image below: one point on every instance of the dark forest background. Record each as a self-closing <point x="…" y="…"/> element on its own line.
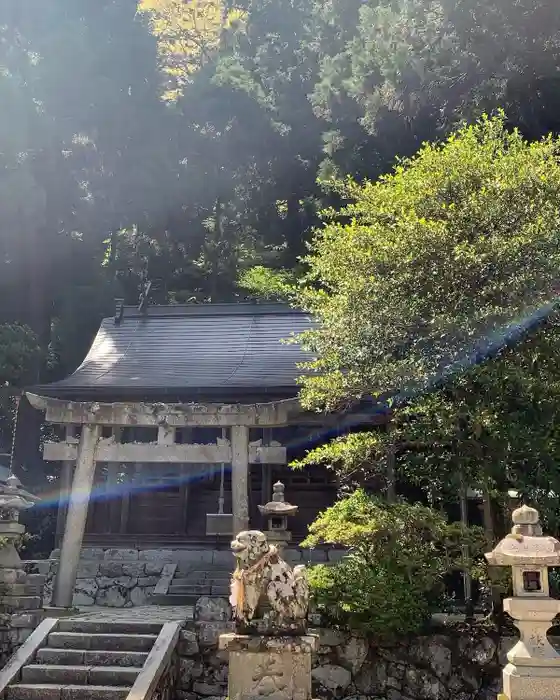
<point x="186" y="143"/>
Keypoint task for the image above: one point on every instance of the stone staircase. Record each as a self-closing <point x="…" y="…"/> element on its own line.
<point x="86" y="660"/>
<point x="188" y="584"/>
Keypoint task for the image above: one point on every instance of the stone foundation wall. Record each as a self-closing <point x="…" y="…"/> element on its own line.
<point x="113" y="583"/>
<point x="459" y="665"/>
<point x="20" y="609"/>
<point x="124" y="578"/>
<point x="14" y="630"/>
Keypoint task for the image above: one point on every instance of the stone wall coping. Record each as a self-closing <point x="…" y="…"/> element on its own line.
<point x="154" y="666"/>
<point x="167" y="574"/>
<point x="25" y="653"/>
<point x="255" y="644"/>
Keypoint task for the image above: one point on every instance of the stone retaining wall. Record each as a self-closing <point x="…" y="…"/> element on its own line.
<point x="121" y="578"/>
<point x="14" y="630"/>
<point x="20" y="609"/>
<point x="453" y="666"/>
<point x="110" y="583"/>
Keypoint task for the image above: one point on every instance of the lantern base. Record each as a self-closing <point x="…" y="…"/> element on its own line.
<point x="531" y="683"/>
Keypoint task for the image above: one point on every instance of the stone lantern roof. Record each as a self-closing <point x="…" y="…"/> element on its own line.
<point x="525" y="545"/>
<point x="14" y="497"/>
<point x="278" y="506"/>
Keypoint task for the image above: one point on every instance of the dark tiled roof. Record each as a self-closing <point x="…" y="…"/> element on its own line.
<point x="213" y="349"/>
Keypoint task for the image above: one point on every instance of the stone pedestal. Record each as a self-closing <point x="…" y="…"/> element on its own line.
<point x="275" y="668"/>
<point x="9" y="532"/>
<point x="280" y="539"/>
<point x="531" y="683"/>
<point x="533" y="670"/>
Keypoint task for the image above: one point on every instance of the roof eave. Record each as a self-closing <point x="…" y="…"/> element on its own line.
<point x="213" y="394"/>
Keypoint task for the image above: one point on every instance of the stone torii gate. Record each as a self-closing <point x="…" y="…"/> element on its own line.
<point x="97" y="419"/>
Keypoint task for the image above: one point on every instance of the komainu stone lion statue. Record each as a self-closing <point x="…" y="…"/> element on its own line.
<point x="267" y="595"/>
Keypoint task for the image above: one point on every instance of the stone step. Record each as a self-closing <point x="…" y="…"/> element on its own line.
<point x="205" y="573"/>
<point x="42" y="674"/>
<point x="109" y="627"/>
<point x="59" y="657"/>
<point x="180" y="600"/>
<point x="189" y="590"/>
<point x="221" y="590"/>
<point x="101" y="642"/>
<point x="23" y="691"/>
<point x="195" y="581"/>
<point x="169" y="599"/>
<point x="189" y="581"/>
<point x="224" y="571"/>
<point x="130" y="659"/>
<point x="76" y="657"/>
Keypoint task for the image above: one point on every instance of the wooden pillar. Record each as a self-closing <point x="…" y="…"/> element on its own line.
<point x="111" y="484"/>
<point x="184" y="490"/>
<point x="131" y="469"/>
<point x="240" y="477"/>
<point x="187" y="473"/>
<point x="65" y="486"/>
<point x="166" y="435"/>
<point x="266" y="470"/>
<point x="76" y="518"/>
<point x="113" y="501"/>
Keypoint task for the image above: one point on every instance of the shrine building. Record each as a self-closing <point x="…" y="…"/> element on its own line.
<point x="174" y="428"/>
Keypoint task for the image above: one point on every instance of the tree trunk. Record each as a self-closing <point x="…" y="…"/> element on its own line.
<point x="467" y="580"/>
<point x="391" y="463"/>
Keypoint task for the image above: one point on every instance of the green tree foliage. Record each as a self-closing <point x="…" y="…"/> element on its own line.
<point x="424" y="264"/>
<point x="414" y="281"/>
<point x="391" y="581"/>
<point x="72" y="176"/>
<point x="18" y="350"/>
<point x="407" y="70"/>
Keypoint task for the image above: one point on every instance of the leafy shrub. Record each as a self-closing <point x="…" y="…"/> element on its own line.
<point x="391" y="580"/>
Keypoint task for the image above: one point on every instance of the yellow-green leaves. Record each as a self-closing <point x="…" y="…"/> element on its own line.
<point x="189" y="33"/>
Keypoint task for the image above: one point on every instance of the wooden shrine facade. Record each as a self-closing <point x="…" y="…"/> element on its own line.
<point x="176" y="475"/>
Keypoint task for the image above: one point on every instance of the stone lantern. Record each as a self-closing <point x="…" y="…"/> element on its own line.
<point x="533" y="671"/>
<point x="278" y="511"/>
<point x="13" y="499"/>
